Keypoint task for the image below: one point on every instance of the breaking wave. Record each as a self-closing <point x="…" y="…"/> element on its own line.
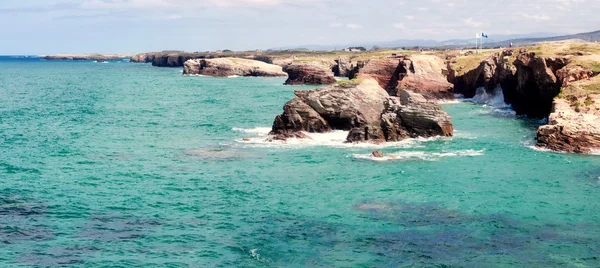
<point x="336" y="138"/>
<point x="494" y="99"/>
<point x="419" y="155"/>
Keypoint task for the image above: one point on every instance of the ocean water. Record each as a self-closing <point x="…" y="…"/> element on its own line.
<point x="127" y="165"/>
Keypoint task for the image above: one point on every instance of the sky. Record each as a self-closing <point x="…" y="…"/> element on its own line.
<point x="42" y="27"/>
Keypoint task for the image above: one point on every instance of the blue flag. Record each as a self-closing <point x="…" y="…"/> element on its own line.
<point x="484" y="35"/>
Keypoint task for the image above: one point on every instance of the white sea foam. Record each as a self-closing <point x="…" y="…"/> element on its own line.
<point x="261" y="131"/>
<point x="419" y="155"/>
<point x="445" y="101"/>
<point x="336" y="138"/>
<point x="495" y="100"/>
<point x="233" y="76"/>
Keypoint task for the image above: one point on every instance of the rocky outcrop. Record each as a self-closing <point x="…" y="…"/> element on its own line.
<point x="90" y="57"/>
<point x="224" y="67"/>
<point x="572" y="129"/>
<point x="363" y="108"/>
<point x="529" y="82"/>
<point x="308" y="73"/>
<point x="342" y="67"/>
<point x="410" y="115"/>
<point x="424" y="74"/>
<point x="497" y="69"/>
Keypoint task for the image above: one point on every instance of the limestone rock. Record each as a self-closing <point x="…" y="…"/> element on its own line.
<point x="308" y="73"/>
<point x="224" y="67"/>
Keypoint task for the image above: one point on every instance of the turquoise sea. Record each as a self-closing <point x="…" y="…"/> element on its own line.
<point x="126" y="165"/>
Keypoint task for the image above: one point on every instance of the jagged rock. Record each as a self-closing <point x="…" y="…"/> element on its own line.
<point x="529" y="82"/>
<point x="385" y="71"/>
<point x="308" y="73"/>
<point x="224" y="67"/>
<point x="298" y="117"/>
<point x="537" y="85"/>
<point x="362" y="107"/>
<point x="494" y="70"/>
<point x="570" y="74"/>
<point x="424" y="74"/>
<point x="342" y="67"/>
<point x="411" y="115"/>
<point x="575" y="130"/>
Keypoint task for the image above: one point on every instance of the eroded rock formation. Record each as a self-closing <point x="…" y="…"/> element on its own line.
<point x="574" y="129"/>
<point x="363" y="108"/>
<point x="308" y="73"/>
<point x="531" y="84"/>
<point x="424" y="74"/>
<point x="224" y="67"/>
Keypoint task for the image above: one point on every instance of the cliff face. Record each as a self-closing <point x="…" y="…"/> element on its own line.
<point x="531" y="84"/>
<point x="224" y="67"/>
<point x="572" y="129"/>
<point x="308" y="73"/>
<point x="423" y="74"/>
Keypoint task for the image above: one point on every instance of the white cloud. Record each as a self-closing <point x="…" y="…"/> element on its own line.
<point x="471" y="22"/>
<point x="408" y="17"/>
<point x="353" y="26"/>
<point x="536" y="17"/>
<point x="400" y="26"/>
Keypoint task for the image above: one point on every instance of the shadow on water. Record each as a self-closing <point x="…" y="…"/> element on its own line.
<point x="20" y="219"/>
<point x="415" y="235"/>
<point x="116" y="228"/>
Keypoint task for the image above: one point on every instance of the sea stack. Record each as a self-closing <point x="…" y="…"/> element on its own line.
<point x="308" y="73"/>
<point x="224" y="67"/>
<point x="366" y="110"/>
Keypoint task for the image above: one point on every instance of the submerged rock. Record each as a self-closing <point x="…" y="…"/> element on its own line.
<point x="377" y="154"/>
<point x="224" y="67"/>
<point x="362" y="107"/>
<point x="216" y="154"/>
<point x="308" y="73"/>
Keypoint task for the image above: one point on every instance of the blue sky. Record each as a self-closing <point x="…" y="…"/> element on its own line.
<point x="130" y="26"/>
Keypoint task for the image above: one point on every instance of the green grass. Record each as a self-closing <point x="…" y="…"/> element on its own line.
<point x="349" y="82"/>
<point x="466" y="63"/>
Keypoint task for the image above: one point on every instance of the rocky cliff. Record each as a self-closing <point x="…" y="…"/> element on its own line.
<point x="363" y="108"/>
<point x="572" y="128"/>
<point x="224" y="67"/>
<point x="423" y="74"/>
<point x="531" y="83"/>
<point x="308" y="73"/>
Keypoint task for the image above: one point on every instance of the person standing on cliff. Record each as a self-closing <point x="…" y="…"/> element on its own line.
<point x="511" y="44"/>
